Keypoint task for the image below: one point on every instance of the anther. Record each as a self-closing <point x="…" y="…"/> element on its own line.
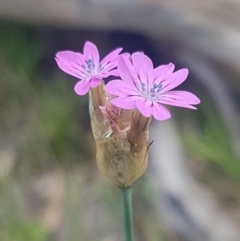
<point x="90" y="64"/>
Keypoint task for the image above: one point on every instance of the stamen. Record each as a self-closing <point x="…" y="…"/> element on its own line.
<point x="152" y="90"/>
<point x="159" y="87"/>
<point x="143" y="87"/>
<point x="90" y="65"/>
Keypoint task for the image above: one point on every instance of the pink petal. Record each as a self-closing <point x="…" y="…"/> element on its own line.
<point x="121" y="88"/>
<point x="144" y="106"/>
<point x="82" y="87"/>
<point x="110" y="57"/>
<point x="98" y="76"/>
<point x="179" y="98"/>
<point x="189" y="97"/>
<point x="177" y="104"/>
<point x="114" y="63"/>
<point x="127" y="103"/>
<point x="159" y="112"/>
<point x="143" y="66"/>
<point x="70" y="62"/>
<point x="108" y="73"/>
<point x="174" y="80"/>
<point x="94" y="82"/>
<point x="90" y="51"/>
<point x="112" y="73"/>
<point x="70" y="69"/>
<point x="163" y="72"/>
<point x="127" y="72"/>
<point x="70" y="56"/>
<point x="111" y="65"/>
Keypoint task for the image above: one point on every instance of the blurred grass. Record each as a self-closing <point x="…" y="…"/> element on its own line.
<point x="41" y="126"/>
<point x="43" y="111"/>
<point x="15" y="221"/>
<point x="212" y="144"/>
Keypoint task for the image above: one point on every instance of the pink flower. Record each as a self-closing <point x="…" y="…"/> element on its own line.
<point x="149" y="89"/>
<point x="87" y="66"/>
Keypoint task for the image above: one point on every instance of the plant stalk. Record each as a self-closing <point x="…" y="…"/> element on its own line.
<point x="126" y="194"/>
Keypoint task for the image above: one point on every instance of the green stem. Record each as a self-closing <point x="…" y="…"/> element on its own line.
<point x="126" y="194"/>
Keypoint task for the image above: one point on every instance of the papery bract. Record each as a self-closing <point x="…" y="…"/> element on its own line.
<point x="149" y="89"/>
<point x="121" y="139"/>
<point x="87" y="66"/>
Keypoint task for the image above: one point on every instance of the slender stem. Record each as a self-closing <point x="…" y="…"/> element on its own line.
<point x="126" y="194"/>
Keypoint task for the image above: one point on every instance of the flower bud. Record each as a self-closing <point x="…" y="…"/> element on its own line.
<point x="121" y="138"/>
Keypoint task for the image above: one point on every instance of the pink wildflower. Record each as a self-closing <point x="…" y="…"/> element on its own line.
<point x="149" y="89"/>
<point x="87" y="66"/>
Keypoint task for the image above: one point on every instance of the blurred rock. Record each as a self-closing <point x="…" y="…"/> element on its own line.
<point x="212" y="26"/>
<point x="186" y="206"/>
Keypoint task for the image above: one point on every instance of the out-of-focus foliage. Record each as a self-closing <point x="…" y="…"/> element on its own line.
<point x="16" y="223"/>
<point x="37" y="112"/>
<point x="212" y="143"/>
<point x="41" y="128"/>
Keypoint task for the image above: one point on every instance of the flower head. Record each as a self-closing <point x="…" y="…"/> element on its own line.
<point x="121" y="138"/>
<point x="149" y="89"/>
<point x="87" y="66"/>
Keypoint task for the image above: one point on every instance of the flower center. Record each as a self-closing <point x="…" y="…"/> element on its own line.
<point x="151" y="93"/>
<point x="89" y="68"/>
